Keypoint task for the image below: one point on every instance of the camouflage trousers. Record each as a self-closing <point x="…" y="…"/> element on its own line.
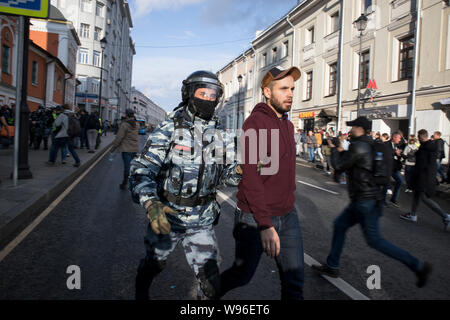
<point x="199" y="244"/>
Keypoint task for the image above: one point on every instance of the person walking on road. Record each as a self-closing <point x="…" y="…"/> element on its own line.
<point x="423" y="180"/>
<point x="440" y="144"/>
<point x="395" y="146"/>
<point x="175" y="179"/>
<point x="62" y="137"/>
<point x="92" y="127"/>
<point x="410" y="160"/>
<point x="266" y="219"/>
<point x="311" y="142"/>
<point x="127" y="142"/>
<point x="365" y="207"/>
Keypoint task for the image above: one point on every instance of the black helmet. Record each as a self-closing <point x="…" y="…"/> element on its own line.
<point x="201" y="79"/>
<point x="129" y="112"/>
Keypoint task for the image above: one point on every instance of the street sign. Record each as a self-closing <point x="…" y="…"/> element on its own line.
<point x="28" y="8"/>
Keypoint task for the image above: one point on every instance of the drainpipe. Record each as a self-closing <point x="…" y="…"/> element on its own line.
<point x="412" y="119"/>
<point x="293" y="53"/>
<point x="254" y="75"/>
<point x="339" y="79"/>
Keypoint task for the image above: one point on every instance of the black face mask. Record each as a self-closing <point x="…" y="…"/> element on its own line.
<point x="203" y="108"/>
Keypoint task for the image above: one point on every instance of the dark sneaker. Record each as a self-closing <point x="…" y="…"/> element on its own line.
<point x="394" y="204"/>
<point x="63" y="162"/>
<point x="76" y="164"/>
<point x="422" y="275"/>
<point x="409" y="217"/>
<point x="326" y="270"/>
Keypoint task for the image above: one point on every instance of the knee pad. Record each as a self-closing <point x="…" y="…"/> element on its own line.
<point x="209" y="279"/>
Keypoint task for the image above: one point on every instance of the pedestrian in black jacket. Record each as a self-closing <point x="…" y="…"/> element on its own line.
<point x="395" y="150"/>
<point x="365" y="207"/>
<point x="440" y="145"/>
<point x="423" y="180"/>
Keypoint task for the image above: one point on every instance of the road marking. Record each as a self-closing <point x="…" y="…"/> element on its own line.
<point x="303" y="165"/>
<point x="311" y="185"/>
<point x="14" y="243"/>
<point x="339" y="283"/>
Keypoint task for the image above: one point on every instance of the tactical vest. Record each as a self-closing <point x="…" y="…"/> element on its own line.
<point x="183" y="182"/>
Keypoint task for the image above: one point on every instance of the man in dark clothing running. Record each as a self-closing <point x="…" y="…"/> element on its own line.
<point x="423" y="179"/>
<point x="365" y="207"/>
<point x="266" y="219"/>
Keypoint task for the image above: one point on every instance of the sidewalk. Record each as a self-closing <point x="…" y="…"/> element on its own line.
<point x="20" y="205"/>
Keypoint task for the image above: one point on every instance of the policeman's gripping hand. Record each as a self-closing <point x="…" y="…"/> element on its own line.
<point x="156" y="214"/>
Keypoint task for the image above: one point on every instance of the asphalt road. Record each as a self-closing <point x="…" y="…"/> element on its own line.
<point x="98" y="228"/>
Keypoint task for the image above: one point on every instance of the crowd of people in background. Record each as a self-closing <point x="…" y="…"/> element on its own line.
<point x="65" y="129"/>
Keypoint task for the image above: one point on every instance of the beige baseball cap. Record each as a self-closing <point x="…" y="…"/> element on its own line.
<point x="278" y="73"/>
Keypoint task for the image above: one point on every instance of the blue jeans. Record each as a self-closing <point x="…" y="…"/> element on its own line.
<point x="311" y="154"/>
<point x="249" y="250"/>
<point x="62" y="143"/>
<point x="127" y="157"/>
<point x="367" y="214"/>
<point x="408" y="172"/>
<point x="398" y="184"/>
<point x="440" y="170"/>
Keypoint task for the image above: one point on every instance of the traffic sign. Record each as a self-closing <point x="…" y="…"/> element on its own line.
<point x="28" y="8"/>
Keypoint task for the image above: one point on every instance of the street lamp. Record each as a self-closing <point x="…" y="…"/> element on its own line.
<point x="118" y="81"/>
<point x="239" y="99"/>
<point x="360" y="25"/>
<point x="103" y="43"/>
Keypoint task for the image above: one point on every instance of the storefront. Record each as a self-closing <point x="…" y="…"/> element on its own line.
<point x="388" y="119"/>
<point x="306" y="120"/>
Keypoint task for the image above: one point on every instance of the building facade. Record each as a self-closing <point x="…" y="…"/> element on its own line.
<point x="95" y="20"/>
<point x="381" y="64"/>
<point x="146" y="109"/>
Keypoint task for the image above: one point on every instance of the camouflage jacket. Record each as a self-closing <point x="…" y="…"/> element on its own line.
<point x="174" y="166"/>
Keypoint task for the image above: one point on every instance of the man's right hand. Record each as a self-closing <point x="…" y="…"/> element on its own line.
<point x="156" y="214"/>
<point x="270" y="242"/>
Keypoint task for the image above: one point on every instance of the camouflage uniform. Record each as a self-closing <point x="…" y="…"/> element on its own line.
<point x="168" y="170"/>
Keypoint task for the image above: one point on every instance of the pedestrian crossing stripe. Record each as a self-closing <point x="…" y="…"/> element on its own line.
<point x="29" y="8"/>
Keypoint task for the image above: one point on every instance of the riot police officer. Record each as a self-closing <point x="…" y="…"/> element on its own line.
<point x="176" y="184"/>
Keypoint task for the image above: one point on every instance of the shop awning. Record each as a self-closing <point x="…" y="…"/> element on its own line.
<point x="327" y="114"/>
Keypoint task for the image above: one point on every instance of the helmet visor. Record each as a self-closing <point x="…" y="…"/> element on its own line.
<point x="208" y="92"/>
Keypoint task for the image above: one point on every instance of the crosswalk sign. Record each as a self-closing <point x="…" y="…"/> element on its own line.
<point x="28" y="8"/>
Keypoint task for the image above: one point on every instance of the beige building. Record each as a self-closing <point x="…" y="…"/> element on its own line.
<point x="237" y="76"/>
<point x="309" y="38"/>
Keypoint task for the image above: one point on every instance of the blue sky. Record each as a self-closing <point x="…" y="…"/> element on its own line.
<point x="158" y="72"/>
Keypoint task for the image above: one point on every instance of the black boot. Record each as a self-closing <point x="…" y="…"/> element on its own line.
<point x="145" y="274"/>
<point x="124" y="183"/>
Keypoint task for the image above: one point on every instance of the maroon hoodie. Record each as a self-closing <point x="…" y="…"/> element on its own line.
<point x="268" y="195"/>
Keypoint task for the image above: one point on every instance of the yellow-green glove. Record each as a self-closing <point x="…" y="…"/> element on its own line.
<point x="156" y="213"/>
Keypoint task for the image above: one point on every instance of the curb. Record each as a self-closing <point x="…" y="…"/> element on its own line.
<point x="32" y="208"/>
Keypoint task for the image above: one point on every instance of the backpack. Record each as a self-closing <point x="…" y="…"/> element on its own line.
<point x="92" y="122"/>
<point x="381" y="174"/>
<point x="74" y="129"/>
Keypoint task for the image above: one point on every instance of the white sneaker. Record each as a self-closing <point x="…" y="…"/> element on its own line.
<point x="408" y="190"/>
<point x="389" y="191"/>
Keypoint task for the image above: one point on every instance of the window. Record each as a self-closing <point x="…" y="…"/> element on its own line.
<point x="83" y="56"/>
<point x="364" y="70"/>
<point x="309" y="35"/>
<point x="99" y="9"/>
<point x="274" y="55"/>
<point x="97" y="33"/>
<point x="58" y="82"/>
<point x="96" y="59"/>
<point x="84" y="30"/>
<point x="34" y="73"/>
<point x="86" y="5"/>
<point x="264" y="60"/>
<point x="95" y="86"/>
<point x="406" y="59"/>
<point x="285" y="48"/>
<point x="366" y="6"/>
<point x="6" y="59"/>
<point x="250" y="79"/>
<point x="309" y="84"/>
<point x="332" y="79"/>
<point x="334" y="22"/>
